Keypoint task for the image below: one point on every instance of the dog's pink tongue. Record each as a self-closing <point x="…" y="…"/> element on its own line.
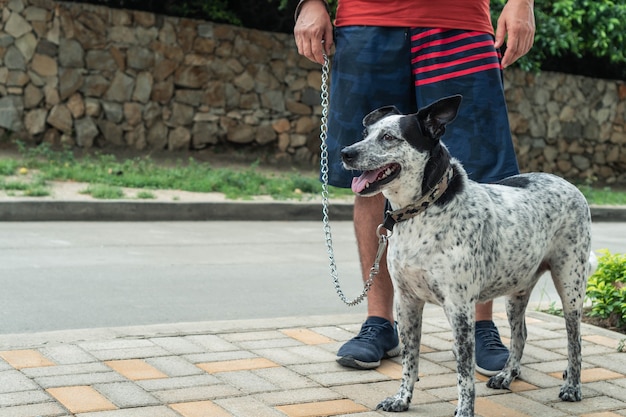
<point x="359" y="183"/>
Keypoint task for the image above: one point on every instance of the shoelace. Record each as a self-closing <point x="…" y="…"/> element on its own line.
<point x="370" y="331"/>
<point x="490" y="339"/>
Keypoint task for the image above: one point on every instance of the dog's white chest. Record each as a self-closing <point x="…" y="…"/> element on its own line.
<point x="417" y="273"/>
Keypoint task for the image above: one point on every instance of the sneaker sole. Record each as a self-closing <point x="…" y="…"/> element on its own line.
<point x="350" y="362"/>
<point x="487" y="372"/>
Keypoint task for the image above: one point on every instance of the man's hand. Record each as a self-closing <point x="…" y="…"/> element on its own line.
<point x="312" y="27"/>
<point x="517" y="24"/>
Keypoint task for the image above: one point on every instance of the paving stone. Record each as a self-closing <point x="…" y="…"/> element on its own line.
<point x="14" y="381"/>
<point x="513" y="405"/>
<point x="306" y="336"/>
<point x="115" y="344"/>
<point x="606" y="388"/>
<point x="23" y="398"/>
<point x="200" y="409"/>
<point x="285" y="378"/>
<point x="174" y="366"/>
<point x="86" y="368"/>
<point x="126" y="395"/>
<point x="247" y="406"/>
<point x="589" y="405"/>
<point x="247" y="382"/>
<point x="298" y="354"/>
<point x="322" y="408"/>
<point x="81" y="399"/>
<point x="212" y="343"/>
<point x="160" y="411"/>
<point x="29" y="358"/>
<point x="40" y="410"/>
<point x="540" y="354"/>
<point x="598" y="374"/>
<point x="210" y="392"/>
<point x="487" y="408"/>
<point x="609" y="342"/>
<point x="620" y="382"/>
<point x="347" y="377"/>
<point x="135" y="369"/>
<point x="129" y="353"/>
<point x="79" y="379"/>
<point x="4" y="366"/>
<point x="249" y="336"/>
<point x="237" y="365"/>
<point x="539" y="379"/>
<point x="292" y="396"/>
<point x="269" y="343"/>
<point x="220" y="356"/>
<point x="615" y="360"/>
<point x="333" y="332"/>
<point x="307" y="369"/>
<point x="372" y="394"/>
<point x="67" y="354"/>
<point x="178" y="345"/>
<point x="180" y="382"/>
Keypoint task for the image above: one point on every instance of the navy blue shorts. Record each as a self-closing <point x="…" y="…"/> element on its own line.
<point x="411" y="68"/>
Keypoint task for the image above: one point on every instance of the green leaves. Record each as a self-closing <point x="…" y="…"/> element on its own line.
<point x="575" y="28"/>
<point x="606" y="288"/>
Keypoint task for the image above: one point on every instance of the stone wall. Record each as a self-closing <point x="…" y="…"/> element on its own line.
<point x="89" y="76"/>
<point x="569" y="125"/>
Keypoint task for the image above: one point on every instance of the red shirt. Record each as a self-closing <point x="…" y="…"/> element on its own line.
<point x="444" y="14"/>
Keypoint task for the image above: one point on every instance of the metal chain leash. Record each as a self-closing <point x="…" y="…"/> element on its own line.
<point x="382" y="238"/>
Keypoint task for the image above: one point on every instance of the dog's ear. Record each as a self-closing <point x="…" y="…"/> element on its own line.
<point x="433" y="118"/>
<point x="378" y="114"/>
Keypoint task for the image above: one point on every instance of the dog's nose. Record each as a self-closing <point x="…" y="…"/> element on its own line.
<point x="348" y="154"/>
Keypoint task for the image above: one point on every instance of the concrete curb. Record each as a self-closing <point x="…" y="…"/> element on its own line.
<point x="170" y="211"/>
<point x="23" y="211"/>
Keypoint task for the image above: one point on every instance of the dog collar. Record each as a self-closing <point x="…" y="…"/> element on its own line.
<point x="412" y="210"/>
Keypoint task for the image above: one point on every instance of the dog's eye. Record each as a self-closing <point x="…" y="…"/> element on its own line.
<point x="387" y="136"/>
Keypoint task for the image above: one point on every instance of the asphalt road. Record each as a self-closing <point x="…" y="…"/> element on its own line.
<point x="70" y="275"/>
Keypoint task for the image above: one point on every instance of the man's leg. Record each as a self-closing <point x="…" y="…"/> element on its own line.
<point x="368" y="214"/>
<point x="484" y="311"/>
<point x="491" y="354"/>
<point x="378" y="337"/>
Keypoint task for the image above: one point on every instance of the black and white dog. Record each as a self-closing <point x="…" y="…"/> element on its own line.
<point x="456" y="243"/>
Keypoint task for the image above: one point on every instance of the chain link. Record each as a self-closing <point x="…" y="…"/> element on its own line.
<point x="382" y="239"/>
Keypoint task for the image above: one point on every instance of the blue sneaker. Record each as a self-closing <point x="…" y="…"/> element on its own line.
<point x="491" y="354"/>
<point x="377" y="339"/>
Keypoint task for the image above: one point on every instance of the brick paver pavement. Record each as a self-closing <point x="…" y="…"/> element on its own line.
<point x="284" y="367"/>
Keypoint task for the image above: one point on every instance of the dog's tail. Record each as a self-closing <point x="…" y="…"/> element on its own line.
<point x="593" y="264"/>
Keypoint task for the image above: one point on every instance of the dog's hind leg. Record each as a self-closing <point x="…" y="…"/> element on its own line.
<point x="570" y="280"/>
<point x="515" y="310"/>
<point x="409" y="312"/>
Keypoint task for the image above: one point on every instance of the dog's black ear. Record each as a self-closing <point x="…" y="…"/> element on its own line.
<point x="378" y="114"/>
<point x="433" y="118"/>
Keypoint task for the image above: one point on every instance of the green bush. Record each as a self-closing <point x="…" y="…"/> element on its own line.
<point x="606" y="289"/>
<point x="586" y="37"/>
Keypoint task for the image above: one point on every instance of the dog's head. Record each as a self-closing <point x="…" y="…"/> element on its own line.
<point x="396" y="148"/>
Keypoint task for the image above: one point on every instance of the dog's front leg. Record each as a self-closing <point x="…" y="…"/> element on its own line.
<point x="410" y="325"/>
<point x="461" y="318"/>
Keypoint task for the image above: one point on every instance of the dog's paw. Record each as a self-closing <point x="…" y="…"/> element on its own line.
<point x="463" y="413"/>
<point x="571" y="393"/>
<point x="395" y="404"/>
<point x="502" y="380"/>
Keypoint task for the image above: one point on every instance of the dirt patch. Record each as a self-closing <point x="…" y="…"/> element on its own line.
<point x="609" y="324"/>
